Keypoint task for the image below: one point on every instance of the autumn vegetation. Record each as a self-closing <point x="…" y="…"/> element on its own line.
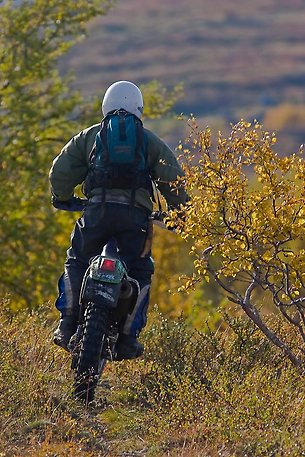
<point x="246" y="222"/>
<point x="223" y="370"/>
<point x="193" y="394"/>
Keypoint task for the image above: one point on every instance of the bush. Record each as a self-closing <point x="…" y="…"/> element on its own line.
<point x="227" y="390"/>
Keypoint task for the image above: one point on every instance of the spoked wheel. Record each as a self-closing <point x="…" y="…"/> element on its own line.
<point x="90" y="364"/>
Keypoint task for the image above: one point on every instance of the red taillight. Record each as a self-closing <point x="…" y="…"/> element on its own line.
<point x="108" y="265"/>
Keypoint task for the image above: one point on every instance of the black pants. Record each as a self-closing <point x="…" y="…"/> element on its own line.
<point x="128" y="226"/>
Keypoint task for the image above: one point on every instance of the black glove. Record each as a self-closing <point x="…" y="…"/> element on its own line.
<point x="73" y="204"/>
<point x="158" y="215"/>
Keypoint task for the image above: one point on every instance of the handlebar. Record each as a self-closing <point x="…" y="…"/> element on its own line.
<point x="158" y="217"/>
<point x="78" y="204"/>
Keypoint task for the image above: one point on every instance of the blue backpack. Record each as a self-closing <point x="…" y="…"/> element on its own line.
<point x="118" y="159"/>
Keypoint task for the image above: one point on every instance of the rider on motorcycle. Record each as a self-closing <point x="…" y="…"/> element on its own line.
<point x="110" y="214"/>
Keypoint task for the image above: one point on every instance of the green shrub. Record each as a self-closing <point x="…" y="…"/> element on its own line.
<point x="230" y="389"/>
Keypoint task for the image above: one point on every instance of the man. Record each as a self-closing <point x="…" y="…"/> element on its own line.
<point x="113" y="212"/>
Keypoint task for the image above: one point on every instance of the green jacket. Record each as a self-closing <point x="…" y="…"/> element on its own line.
<point x="71" y="166"/>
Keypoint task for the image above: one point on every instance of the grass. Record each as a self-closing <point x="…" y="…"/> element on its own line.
<point x="225" y="392"/>
<point x="38" y="414"/>
<point x="204" y="393"/>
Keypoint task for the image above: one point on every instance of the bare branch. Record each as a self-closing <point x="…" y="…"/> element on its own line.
<point x="254" y="315"/>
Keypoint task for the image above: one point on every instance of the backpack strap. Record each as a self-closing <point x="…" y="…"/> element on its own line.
<point x="140" y="138"/>
<point x="103" y="137"/>
<point x="138" y="154"/>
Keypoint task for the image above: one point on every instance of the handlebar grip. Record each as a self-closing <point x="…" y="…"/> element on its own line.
<point x="73" y="204"/>
<point x="158" y="215"/>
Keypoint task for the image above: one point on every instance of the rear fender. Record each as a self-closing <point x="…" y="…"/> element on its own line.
<point x="100" y="292"/>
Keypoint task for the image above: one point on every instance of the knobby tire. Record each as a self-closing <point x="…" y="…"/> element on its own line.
<point x="87" y="371"/>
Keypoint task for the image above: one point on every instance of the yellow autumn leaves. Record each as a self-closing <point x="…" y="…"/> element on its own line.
<point x="247" y="204"/>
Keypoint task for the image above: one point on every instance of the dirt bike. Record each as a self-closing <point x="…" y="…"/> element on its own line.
<point x="107" y="295"/>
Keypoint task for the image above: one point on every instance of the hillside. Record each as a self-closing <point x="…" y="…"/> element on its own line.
<point x="234" y="58"/>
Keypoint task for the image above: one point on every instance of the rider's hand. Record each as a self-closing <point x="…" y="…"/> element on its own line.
<point x="73" y="204"/>
<point x="158" y="215"/>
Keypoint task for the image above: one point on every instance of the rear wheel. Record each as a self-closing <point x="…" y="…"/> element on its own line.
<point x="90" y="364"/>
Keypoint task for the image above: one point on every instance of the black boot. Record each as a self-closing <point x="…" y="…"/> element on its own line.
<point x="128" y="347"/>
<point x="66" y="328"/>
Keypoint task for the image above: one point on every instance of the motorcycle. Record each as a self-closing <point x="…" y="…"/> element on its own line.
<point x="107" y="295"/>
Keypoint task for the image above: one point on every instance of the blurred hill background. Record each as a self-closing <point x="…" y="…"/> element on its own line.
<point x="234" y="58"/>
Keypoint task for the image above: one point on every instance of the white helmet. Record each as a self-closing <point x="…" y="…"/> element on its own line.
<point x="123" y="95"/>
